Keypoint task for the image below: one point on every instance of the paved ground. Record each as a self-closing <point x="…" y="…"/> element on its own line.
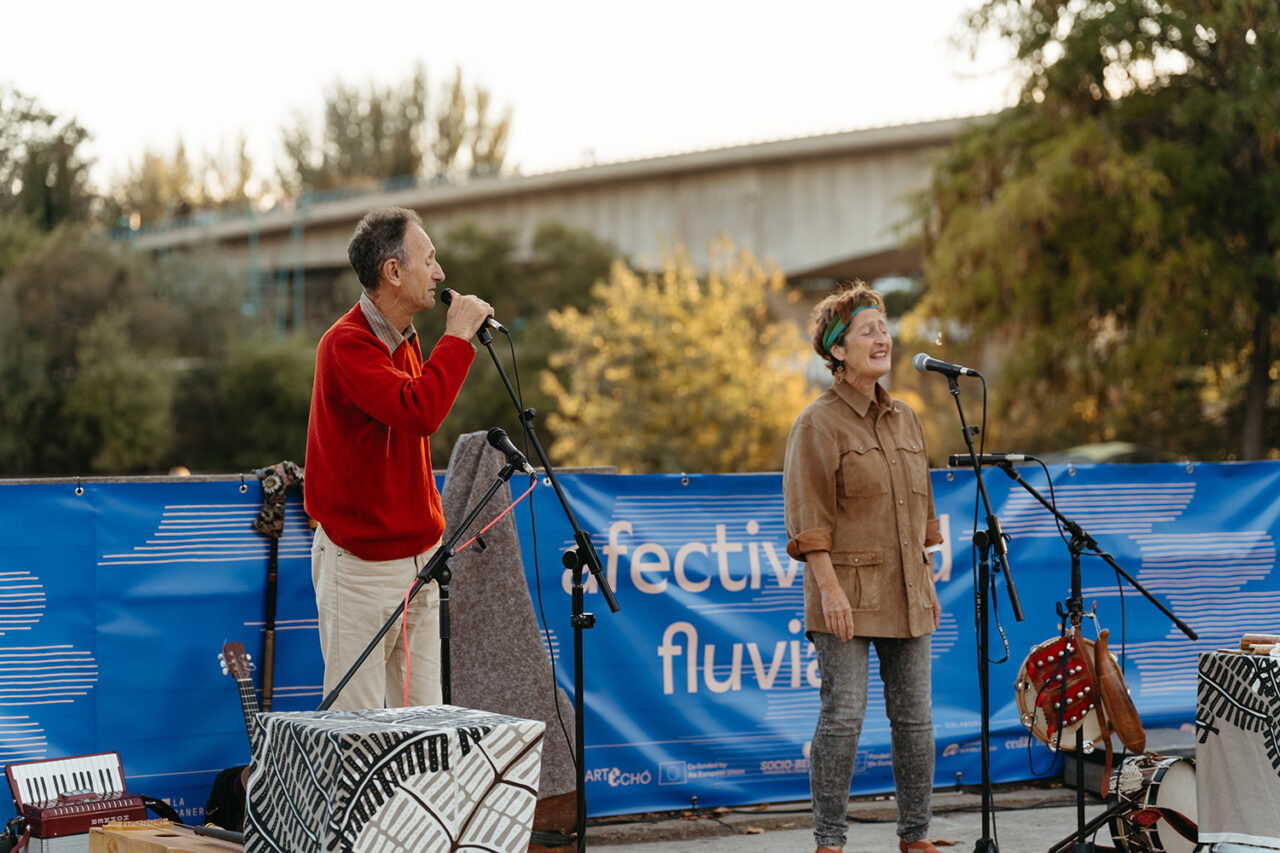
<point x="1026" y="820"/>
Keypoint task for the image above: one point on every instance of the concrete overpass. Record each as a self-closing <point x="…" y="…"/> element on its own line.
<point x="820" y="206"/>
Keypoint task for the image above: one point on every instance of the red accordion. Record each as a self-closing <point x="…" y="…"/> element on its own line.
<point x="67" y="796"/>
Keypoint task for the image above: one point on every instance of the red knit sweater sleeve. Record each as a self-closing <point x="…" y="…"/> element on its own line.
<point x="403" y="392"/>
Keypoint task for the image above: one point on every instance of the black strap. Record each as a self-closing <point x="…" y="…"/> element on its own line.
<point x="162" y="809"/>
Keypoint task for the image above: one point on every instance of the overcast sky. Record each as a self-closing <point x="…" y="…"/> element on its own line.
<point x="600" y="79"/>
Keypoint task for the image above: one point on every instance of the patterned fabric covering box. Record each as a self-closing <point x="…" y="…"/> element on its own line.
<point x="394" y="779"/>
<point x="1238" y="752"/>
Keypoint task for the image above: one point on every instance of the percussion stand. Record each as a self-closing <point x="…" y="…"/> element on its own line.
<point x="575" y="559"/>
<point x="986" y="541"/>
<point x="1079" y="542"/>
<point x="1072" y="615"/>
<point x="436" y="569"/>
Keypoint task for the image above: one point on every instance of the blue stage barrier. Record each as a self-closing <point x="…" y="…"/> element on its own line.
<point x="115" y="602"/>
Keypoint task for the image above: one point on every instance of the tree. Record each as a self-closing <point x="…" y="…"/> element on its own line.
<point x="1112" y="242"/>
<point x="109" y="360"/>
<point x="158" y="188"/>
<point x="264" y="399"/>
<point x="118" y="407"/>
<point x="465" y="123"/>
<point x="670" y="372"/>
<point x="53" y="302"/>
<point x="161" y="186"/>
<point x="43" y="174"/>
<point x="378" y="133"/>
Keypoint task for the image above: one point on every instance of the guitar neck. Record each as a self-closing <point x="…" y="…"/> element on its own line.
<point x="248" y="703"/>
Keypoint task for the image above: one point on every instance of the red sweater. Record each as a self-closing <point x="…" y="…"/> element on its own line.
<point x="368" y="463"/>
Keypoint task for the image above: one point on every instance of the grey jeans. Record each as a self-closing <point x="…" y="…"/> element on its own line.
<point x="905" y="671"/>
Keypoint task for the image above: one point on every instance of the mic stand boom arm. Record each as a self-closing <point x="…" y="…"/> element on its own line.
<point x="1082" y="540"/>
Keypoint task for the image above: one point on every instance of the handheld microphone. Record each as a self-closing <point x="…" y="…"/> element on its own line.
<point x="499" y="440"/>
<point x="923" y="362"/>
<point x="446" y="296"/>
<point x="964" y="461"/>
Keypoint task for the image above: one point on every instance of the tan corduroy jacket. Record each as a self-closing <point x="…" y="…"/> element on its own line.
<point x="856" y="484"/>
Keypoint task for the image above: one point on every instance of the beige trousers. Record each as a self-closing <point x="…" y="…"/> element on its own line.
<point x="354" y="598"/>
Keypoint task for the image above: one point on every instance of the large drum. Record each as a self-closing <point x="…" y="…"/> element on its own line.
<point x="1159" y="793"/>
<point x="1051" y="713"/>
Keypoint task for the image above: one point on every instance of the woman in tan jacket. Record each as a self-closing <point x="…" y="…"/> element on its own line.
<point x="859" y="513"/>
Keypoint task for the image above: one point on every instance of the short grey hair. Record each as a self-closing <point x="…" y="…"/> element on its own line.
<point x="378" y="238"/>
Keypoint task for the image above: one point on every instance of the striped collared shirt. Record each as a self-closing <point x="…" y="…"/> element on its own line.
<point x="390" y="337"/>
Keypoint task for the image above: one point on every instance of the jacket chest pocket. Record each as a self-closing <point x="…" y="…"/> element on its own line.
<point x="863" y="472"/>
<point x="861" y="576"/>
<point x="915" y="462"/>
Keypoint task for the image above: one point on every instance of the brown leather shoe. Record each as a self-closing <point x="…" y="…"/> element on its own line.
<point x="924" y="845"/>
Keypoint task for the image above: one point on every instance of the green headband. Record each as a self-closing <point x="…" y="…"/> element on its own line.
<point x="835" y="330"/>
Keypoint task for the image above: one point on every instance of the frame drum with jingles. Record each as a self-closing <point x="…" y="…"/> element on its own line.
<point x="1157" y="795"/>
<point x="1039" y="694"/>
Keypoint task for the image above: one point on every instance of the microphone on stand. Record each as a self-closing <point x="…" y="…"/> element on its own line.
<point x="446" y="296"/>
<point x="963" y="460"/>
<point x="923" y="362"/>
<point x="501" y="442"/>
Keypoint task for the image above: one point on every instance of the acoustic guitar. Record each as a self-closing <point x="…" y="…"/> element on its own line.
<point x="225" y="807"/>
<point x="237" y="663"/>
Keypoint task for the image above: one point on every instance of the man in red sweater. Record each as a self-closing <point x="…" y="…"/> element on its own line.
<point x="369" y="484"/>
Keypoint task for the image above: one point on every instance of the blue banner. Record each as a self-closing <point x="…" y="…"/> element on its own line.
<point x="115" y="602"/>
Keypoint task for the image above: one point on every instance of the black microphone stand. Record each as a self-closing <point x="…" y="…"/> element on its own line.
<point x="986" y="541"/>
<point x="1074" y="610"/>
<point x="437" y="569"/>
<point x="575" y="559"/>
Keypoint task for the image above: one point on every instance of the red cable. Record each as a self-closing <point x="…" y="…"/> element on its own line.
<point x="405" y="622"/>
<point x="464" y="545"/>
<point x="405" y="617"/>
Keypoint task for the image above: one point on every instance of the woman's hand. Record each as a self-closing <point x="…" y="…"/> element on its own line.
<point x="836" y="611"/>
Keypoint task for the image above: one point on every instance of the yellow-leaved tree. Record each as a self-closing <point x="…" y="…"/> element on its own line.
<point x="670" y="372"/>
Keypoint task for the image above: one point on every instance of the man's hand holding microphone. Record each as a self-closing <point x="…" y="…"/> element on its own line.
<point x="467" y="314"/>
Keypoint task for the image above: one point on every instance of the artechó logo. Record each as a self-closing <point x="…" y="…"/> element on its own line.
<point x="617" y="778"/>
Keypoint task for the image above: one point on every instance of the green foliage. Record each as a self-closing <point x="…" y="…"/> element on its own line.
<point x="377" y="133"/>
<point x="1111" y="243"/>
<point x="43" y="172"/>
<point x="560" y="269"/>
<point x="156" y="188"/>
<point x="116" y="363"/>
<point x="671" y="372"/>
<point x="117" y="409"/>
<point x="18" y="235"/>
<point x="264" y="391"/>
<point x="49" y="301"/>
